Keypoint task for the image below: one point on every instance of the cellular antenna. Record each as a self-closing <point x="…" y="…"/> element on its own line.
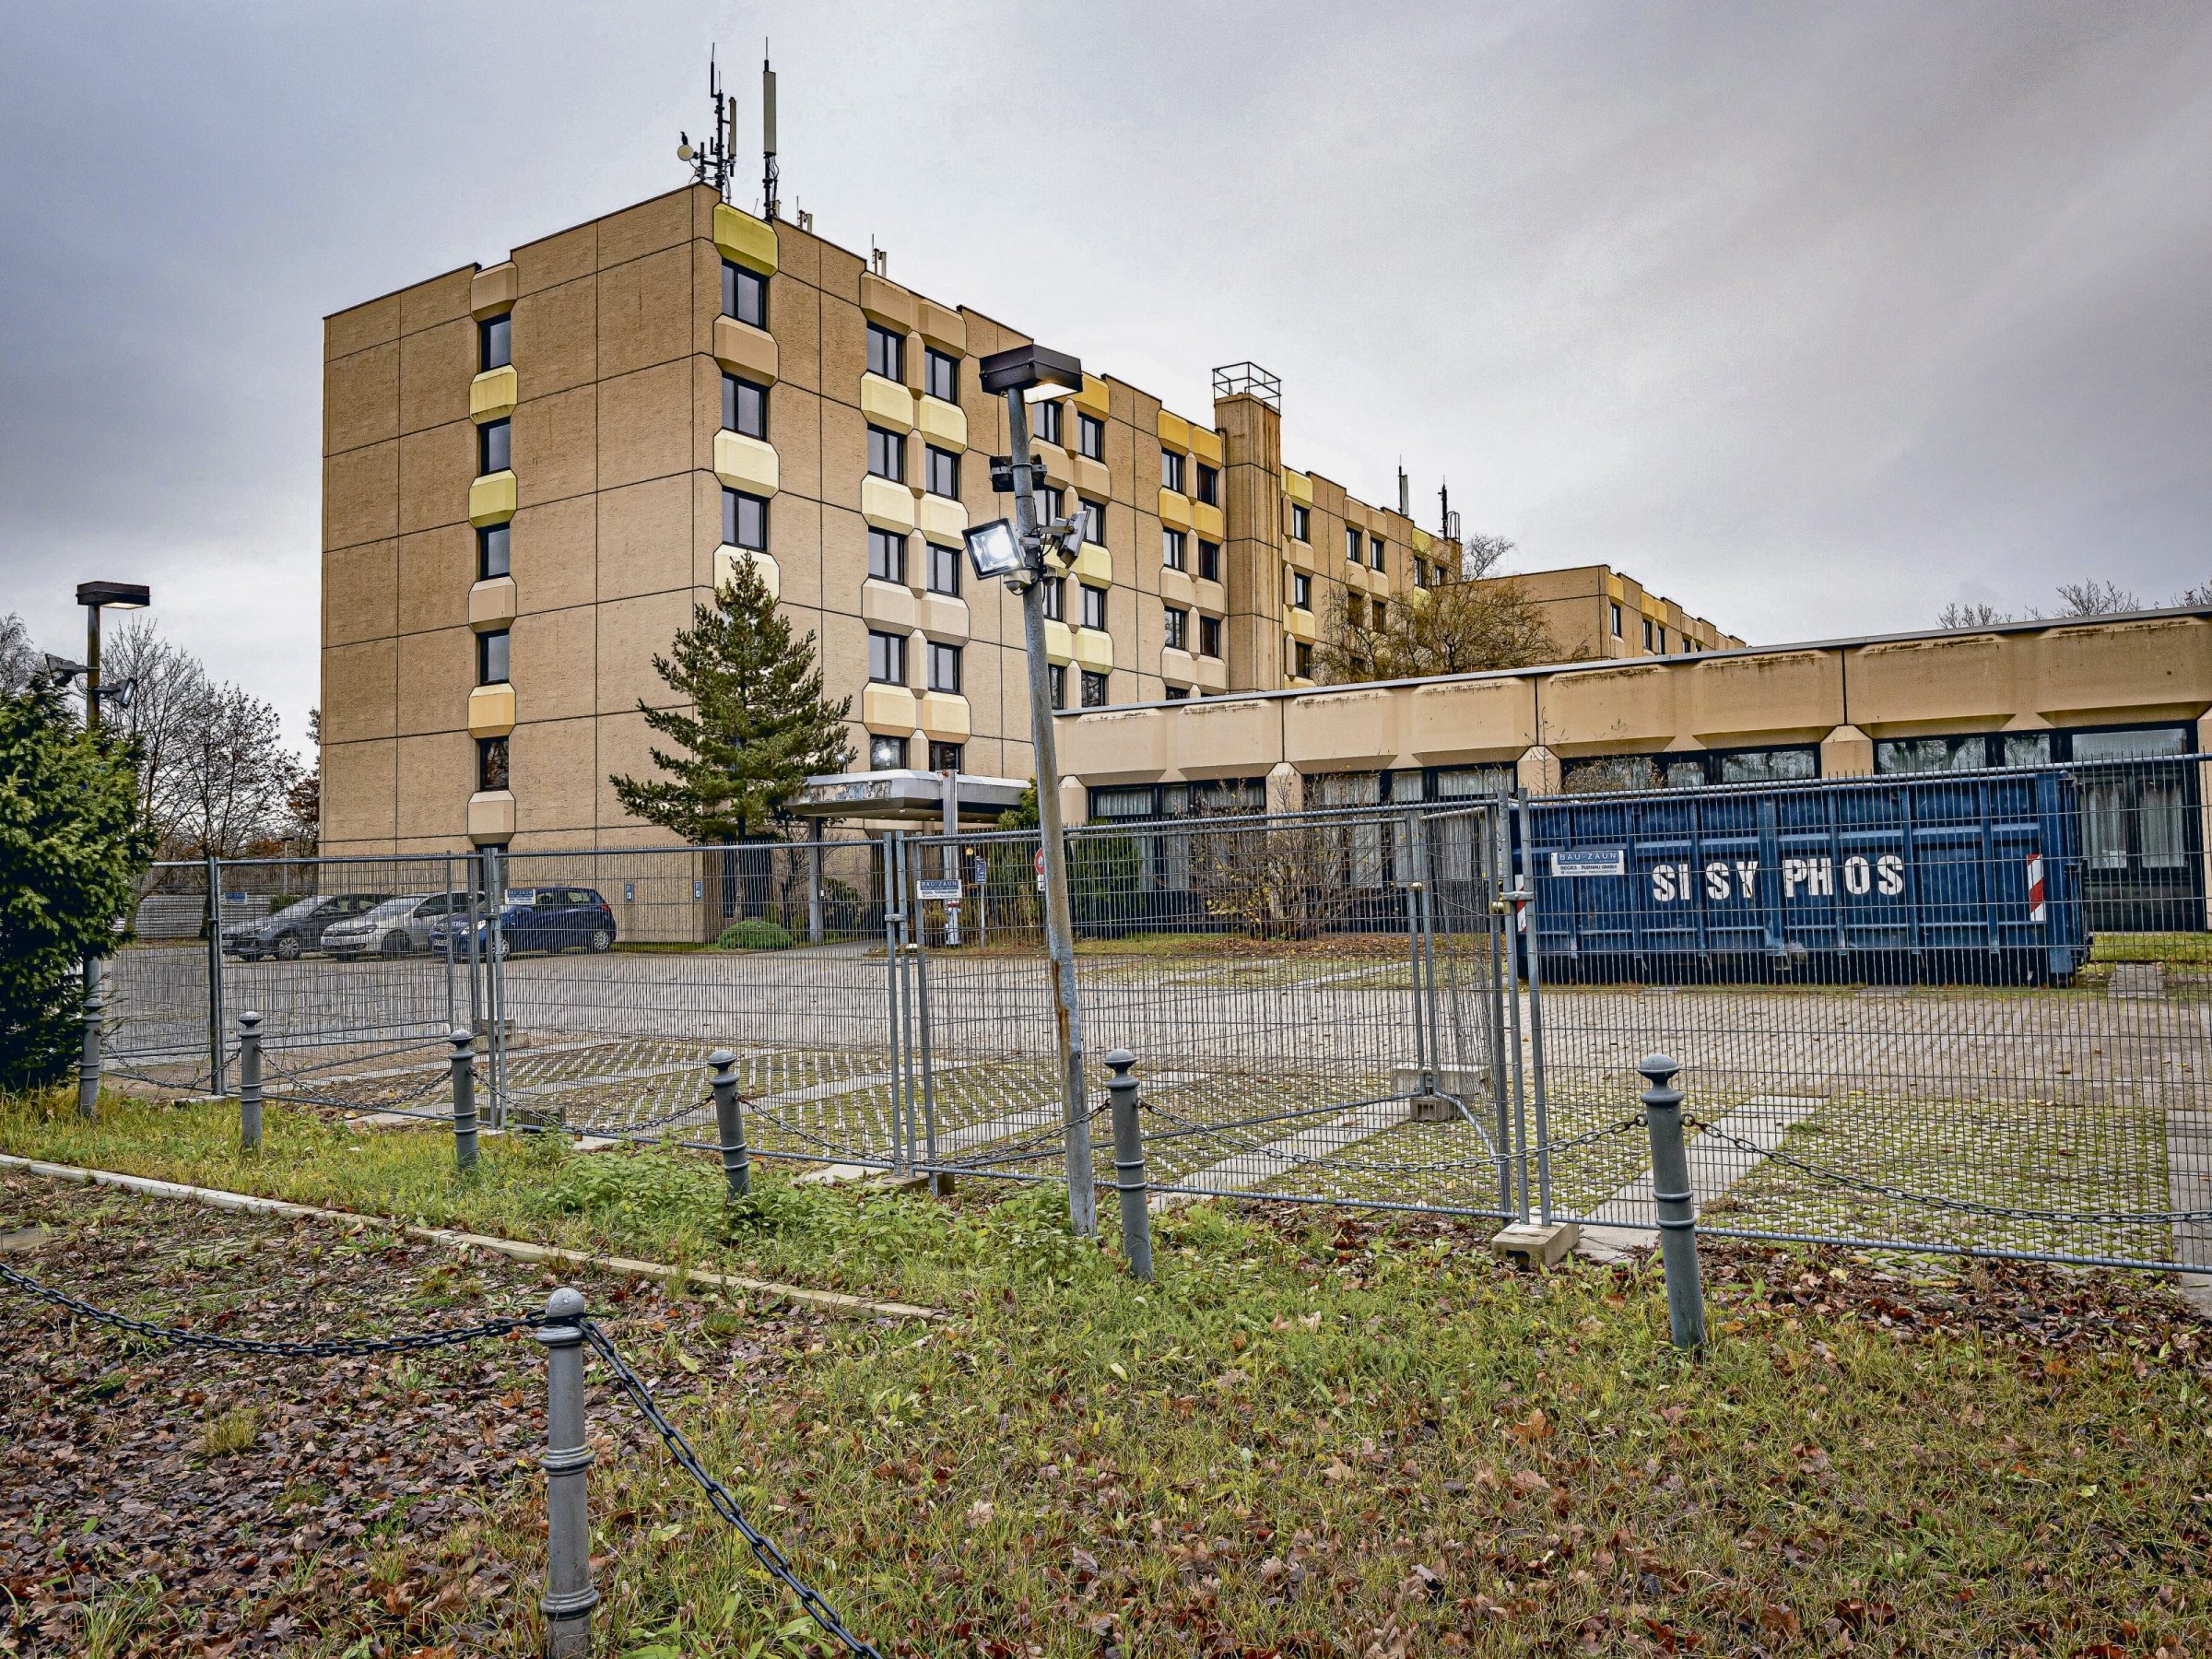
<point x="713" y="159"/>
<point x="769" y="176"/>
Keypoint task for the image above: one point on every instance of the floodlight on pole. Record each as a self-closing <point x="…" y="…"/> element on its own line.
<point x="1017" y="375"/>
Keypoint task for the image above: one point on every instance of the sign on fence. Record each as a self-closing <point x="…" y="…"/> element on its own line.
<point x="1590" y="861"/>
<point x="941" y="890"/>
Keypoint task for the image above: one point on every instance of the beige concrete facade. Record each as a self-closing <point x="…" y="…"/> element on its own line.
<point x="1596" y="611"/>
<point x="611" y="504"/>
<point x="1838" y="708"/>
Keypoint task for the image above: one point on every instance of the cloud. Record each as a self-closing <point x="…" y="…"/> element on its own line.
<point x="1811" y="318"/>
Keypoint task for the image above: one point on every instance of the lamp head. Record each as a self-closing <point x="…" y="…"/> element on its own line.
<point x="1022" y="368"/>
<point x="113" y="595"/>
<point x="994" y="549"/>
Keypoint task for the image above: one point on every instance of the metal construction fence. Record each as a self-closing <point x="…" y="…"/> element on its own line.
<point x="1949" y="1012"/>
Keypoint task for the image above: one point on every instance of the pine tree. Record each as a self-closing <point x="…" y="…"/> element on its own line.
<point x="757" y="728"/>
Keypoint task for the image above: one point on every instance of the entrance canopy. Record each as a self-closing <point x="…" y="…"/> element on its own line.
<point x="904" y="794"/>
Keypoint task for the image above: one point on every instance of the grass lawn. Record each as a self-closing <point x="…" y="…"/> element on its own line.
<point x="1312" y="1435"/>
<point x="2152" y="948"/>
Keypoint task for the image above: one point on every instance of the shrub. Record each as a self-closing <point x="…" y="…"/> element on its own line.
<point x="752" y="934"/>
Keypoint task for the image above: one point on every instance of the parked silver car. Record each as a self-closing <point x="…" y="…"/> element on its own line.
<point x="397" y="927"/>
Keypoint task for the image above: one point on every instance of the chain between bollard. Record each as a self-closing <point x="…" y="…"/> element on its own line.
<point x="719" y="1496"/>
<point x="1676" y="1200"/>
<point x="249" y="1081"/>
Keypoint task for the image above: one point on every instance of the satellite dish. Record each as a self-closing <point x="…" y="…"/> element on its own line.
<point x="683" y="152"/>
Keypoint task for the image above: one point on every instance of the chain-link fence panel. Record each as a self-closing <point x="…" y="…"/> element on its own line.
<point x="1959" y="1011"/>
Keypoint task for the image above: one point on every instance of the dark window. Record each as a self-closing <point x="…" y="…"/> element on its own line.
<point x="1094" y="605"/>
<point x="1616" y="610"/>
<point x="1647" y="633"/>
<point x="1094" y="690"/>
<point x="1179" y="628"/>
<point x="943" y="569"/>
<point x="941" y="472"/>
<point x="1209" y="485"/>
<point x="941" y="374"/>
<point x="887" y="352"/>
<point x="491" y="552"/>
<point x="492" y="658"/>
<point x="1170" y="470"/>
<point x="1055" y="598"/>
<point x="1209" y="560"/>
<point x="1354" y="544"/>
<point x="1301" y="660"/>
<point x="1094" y="521"/>
<point x="945" y="757"/>
<point x="1420" y="572"/>
<point x="1301" y="590"/>
<point x="1047" y="418"/>
<point x="1209" y="635"/>
<point x="494" y="451"/>
<point x="1659" y="638"/>
<point x="745" y="521"/>
<point x="1057" y="681"/>
<point x="886" y="454"/>
<point x="1381" y="613"/>
<point x="886" y="659"/>
<point x="943" y="668"/>
<point x="1052" y="501"/>
<point x="1355" y="609"/>
<point x="886" y="754"/>
<point x="1171" y="549"/>
<point x="886" y="554"/>
<point x="1177" y="693"/>
<point x="491" y="763"/>
<point x="495" y="343"/>
<point x="1374" y="551"/>
<point x="1302" y="523"/>
<point x="1090" y="436"/>
<point x="744" y="294"/>
<point x="744" y="406"/>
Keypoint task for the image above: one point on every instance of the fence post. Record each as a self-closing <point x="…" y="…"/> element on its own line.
<point x="464" y="1098"/>
<point x="729" y="1123"/>
<point x="214" y="979"/>
<point x="1676" y="1202"/>
<point x="814" y="886"/>
<point x="1129" y="1165"/>
<point x="88" y="1064"/>
<point x="249" y="1081"/>
<point x="570" y="1595"/>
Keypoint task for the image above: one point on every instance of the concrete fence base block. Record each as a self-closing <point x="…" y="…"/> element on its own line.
<point x="894" y="1184"/>
<point x="1536" y="1243"/>
<point x="1449" y="1085"/>
<point x="836" y="1175"/>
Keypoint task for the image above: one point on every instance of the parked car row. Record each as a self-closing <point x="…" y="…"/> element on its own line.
<point x="354" y="926"/>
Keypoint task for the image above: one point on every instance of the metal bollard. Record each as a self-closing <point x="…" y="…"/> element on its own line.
<point x="1676" y="1202"/>
<point x="249" y="1081"/>
<point x="464" y="1098"/>
<point x="729" y="1123"/>
<point x="569" y="1594"/>
<point x="1129" y="1165"/>
<point x="87" y="1064"/>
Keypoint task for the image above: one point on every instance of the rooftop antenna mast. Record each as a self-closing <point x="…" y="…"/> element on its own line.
<point x="713" y="159"/>
<point x="770" y="174"/>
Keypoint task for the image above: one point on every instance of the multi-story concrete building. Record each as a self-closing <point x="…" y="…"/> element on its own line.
<point x="1596" y="611"/>
<point x="535" y="469"/>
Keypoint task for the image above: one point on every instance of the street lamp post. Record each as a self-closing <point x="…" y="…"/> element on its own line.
<point x="96" y="596"/>
<point x="1017" y="553"/>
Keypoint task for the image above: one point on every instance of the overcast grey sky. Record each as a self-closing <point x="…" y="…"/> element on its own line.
<point x="1812" y="317"/>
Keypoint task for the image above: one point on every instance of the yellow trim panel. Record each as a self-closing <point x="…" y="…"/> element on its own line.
<point x="491" y="711"/>
<point x="744" y="240"/>
<point x="491" y="499"/>
<point x="745" y="463"/>
<point x="491" y="396"/>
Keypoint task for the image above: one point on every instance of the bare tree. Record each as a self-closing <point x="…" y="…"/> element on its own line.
<point x="1480" y="554"/>
<point x="228" y="793"/>
<point x="2094" y="599"/>
<point x="303" y="801"/>
<point x="2199" y="594"/>
<point x="20" y="661"/>
<point x="1956" y="615"/>
<point x="169" y="690"/>
<point x="1461" y="627"/>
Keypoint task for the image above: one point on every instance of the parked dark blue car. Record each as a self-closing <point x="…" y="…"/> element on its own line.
<point x="540" y="918"/>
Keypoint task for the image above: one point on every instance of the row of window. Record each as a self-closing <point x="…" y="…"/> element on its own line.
<point x="1174" y="553"/>
<point x="890" y="754"/>
<point x="887" y="459"/>
<point x="1654" y="634"/>
<point x="1173" y="472"/>
<point x="1355" y="543"/>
